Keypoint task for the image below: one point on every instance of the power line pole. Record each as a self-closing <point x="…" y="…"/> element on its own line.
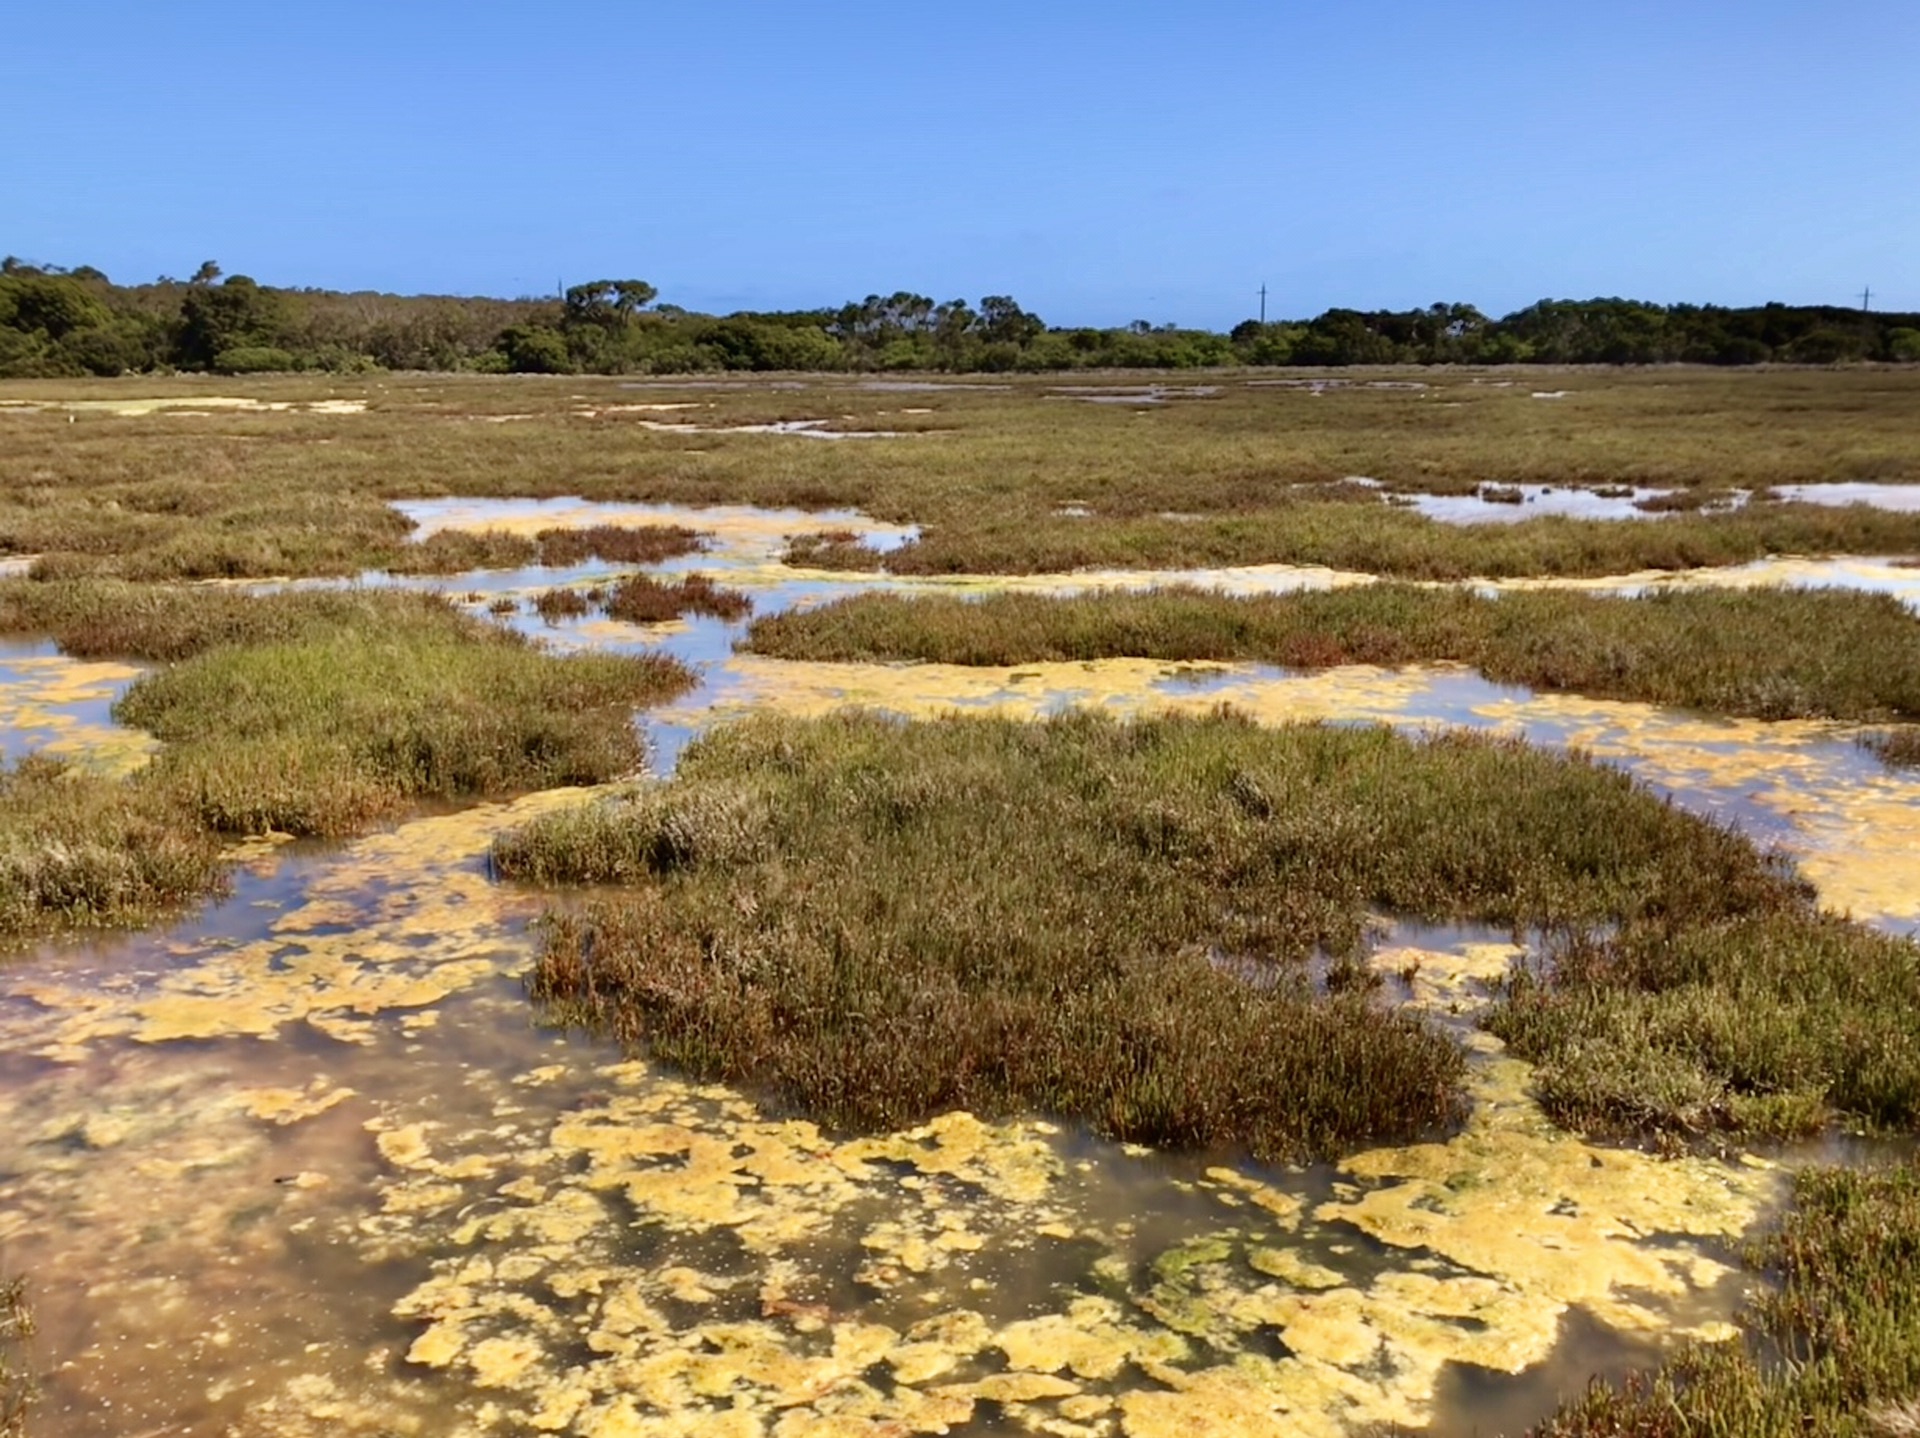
<point x="1263" y="304"/>
<point x="1866" y="298"/>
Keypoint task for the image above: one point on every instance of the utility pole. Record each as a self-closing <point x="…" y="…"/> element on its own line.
<point x="1263" y="304"/>
<point x="1866" y="298"/>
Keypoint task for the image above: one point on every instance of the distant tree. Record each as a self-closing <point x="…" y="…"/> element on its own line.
<point x="1002" y="321"/>
<point x="206" y="274"/>
<point x="51" y="305"/>
<point x="534" y="349"/>
<point x="607" y="303"/>
<point x="1903" y="344"/>
<point x="236" y="314"/>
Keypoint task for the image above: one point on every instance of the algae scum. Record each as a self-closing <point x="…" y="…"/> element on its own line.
<point x="305" y="1163"/>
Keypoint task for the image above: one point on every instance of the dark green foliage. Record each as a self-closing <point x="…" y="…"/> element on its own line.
<point x="1835" y="1344"/>
<point x="1767" y="653"/>
<point x="818" y="913"/>
<point x="613" y="327"/>
<point x="534" y="349"/>
<point x="234" y="317"/>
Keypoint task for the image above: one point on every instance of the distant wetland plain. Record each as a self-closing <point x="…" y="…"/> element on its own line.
<point x="1339" y="902"/>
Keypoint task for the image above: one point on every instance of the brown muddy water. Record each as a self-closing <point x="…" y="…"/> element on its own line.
<point x="306" y="1162"/>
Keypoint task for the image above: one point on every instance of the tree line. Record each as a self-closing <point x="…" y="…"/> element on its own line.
<point x="62" y="322"/>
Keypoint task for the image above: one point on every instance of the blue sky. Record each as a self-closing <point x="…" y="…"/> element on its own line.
<point x="1102" y="162"/>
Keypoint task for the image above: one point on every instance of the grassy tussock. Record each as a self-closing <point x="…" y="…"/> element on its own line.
<point x="1371" y="538"/>
<point x="1836" y="1340"/>
<point x="642" y="599"/>
<point x="616" y="544"/>
<point x="557" y="604"/>
<point x="321" y="735"/>
<point x="832" y="549"/>
<point x="1771" y="653"/>
<point x="455" y="551"/>
<point x="817" y="915"/>
<point x="1770" y="1023"/>
<point x="78" y="851"/>
<point x="305" y="713"/>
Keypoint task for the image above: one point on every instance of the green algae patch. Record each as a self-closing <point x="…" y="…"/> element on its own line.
<point x="664" y="1258"/>
<point x="389" y="927"/>
<point x="1842" y="1316"/>
<point x="59" y="706"/>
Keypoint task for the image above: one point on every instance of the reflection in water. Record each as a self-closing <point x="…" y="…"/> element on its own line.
<point x="305" y="1163"/>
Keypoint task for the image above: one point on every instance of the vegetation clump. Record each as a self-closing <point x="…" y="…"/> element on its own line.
<point x="308" y="713"/>
<point x="324" y="733"/>
<point x="81" y="851"/>
<point x="815" y="913"/>
<point x="1898" y="747"/>
<point x="557" y="604"/>
<point x="615" y="544"/>
<point x="642" y="599"/>
<point x="1765" y="653"/>
<point x="1834" y="1343"/>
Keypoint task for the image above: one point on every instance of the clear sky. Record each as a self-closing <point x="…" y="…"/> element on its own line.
<point x="1101" y="162"/>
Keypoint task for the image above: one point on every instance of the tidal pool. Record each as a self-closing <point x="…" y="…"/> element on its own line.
<point x="305" y="1162"/>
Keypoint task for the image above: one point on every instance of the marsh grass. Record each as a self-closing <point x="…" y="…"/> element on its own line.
<point x="616" y="544"/>
<point x="80" y="851"/>
<point x="878" y="922"/>
<point x="1766" y="653"/>
<point x="642" y="599"/>
<point x="838" y="549"/>
<point x="1761" y="1024"/>
<point x="1249" y="471"/>
<point x="310" y="713"/>
<point x="556" y="604"/>
<point x="1833" y="1345"/>
<point x="322" y="734"/>
<point x="106" y="618"/>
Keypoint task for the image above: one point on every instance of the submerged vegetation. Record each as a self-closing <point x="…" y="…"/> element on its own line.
<point x="1766" y="653"/>
<point x="820" y="914"/>
<point x="16" y="1323"/>
<point x="1899" y="747"/>
<point x="1837" y="1348"/>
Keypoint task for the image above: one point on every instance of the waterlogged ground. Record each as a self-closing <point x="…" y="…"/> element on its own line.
<point x="304" y="1163"/>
